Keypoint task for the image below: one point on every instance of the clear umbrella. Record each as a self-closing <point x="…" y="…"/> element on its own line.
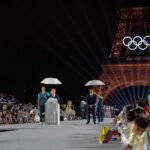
<point x="51" y="81"/>
<point x="95" y="83"/>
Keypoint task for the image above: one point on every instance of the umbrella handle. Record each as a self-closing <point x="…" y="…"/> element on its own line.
<point x="100" y="88"/>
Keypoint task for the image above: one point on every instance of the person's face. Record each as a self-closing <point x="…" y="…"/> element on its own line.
<point x="43" y="89"/>
<point x="53" y="92"/>
<point x="91" y="91"/>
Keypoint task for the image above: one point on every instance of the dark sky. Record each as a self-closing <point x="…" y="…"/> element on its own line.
<point x="67" y="39"/>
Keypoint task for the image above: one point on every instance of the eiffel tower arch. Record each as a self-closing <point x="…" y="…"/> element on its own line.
<point x="128" y="67"/>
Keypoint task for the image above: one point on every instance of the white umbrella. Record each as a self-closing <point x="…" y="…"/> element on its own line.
<point x="94" y="83"/>
<point x="53" y="81"/>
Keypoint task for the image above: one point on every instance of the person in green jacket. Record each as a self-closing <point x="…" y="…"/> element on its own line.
<point x="100" y="111"/>
<point x="41" y="100"/>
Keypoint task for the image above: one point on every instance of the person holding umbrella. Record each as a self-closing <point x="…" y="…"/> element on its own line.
<point x="52" y="81"/>
<point x="91" y="99"/>
<point x="91" y="103"/>
<point x="41" y="100"/>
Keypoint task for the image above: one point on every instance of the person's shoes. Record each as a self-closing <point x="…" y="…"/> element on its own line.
<point x="94" y="122"/>
<point x="87" y="123"/>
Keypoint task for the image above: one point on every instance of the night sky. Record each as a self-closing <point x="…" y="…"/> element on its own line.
<point x="67" y="39"/>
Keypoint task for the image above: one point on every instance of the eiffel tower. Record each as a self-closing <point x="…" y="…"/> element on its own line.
<point x="127" y="67"/>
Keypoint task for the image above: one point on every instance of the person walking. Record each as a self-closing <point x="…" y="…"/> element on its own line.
<point x="41" y="100"/>
<point x="91" y="103"/>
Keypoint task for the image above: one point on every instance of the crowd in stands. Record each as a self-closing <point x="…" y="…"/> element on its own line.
<point x="17" y="113"/>
<point x="14" y="112"/>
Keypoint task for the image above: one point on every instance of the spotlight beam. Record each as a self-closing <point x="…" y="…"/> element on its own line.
<point x="72" y="59"/>
<point x="118" y="93"/>
<point x="103" y="10"/>
<point x="66" y="63"/>
<point x="116" y="102"/>
<point x="78" y="50"/>
<point x="74" y="24"/>
<point x="94" y="35"/>
<point x="61" y="58"/>
<point x="119" y="97"/>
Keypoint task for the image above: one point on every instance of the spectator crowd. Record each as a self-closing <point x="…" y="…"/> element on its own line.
<point x="12" y="112"/>
<point x="17" y="113"/>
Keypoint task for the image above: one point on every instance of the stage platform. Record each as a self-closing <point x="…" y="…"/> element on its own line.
<point x="70" y="135"/>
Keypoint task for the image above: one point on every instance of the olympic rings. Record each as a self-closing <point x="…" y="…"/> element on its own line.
<point x="136" y="42"/>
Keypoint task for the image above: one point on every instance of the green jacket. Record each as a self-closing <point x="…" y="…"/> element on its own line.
<point x="100" y="101"/>
<point x="42" y="98"/>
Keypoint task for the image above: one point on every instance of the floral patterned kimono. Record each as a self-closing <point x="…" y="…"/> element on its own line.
<point x="139" y="142"/>
<point x="127" y="133"/>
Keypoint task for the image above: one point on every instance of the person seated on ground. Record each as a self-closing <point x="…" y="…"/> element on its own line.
<point x="62" y="112"/>
<point x="8" y="118"/>
<point x="63" y="107"/>
<point x="129" y="123"/>
<point x="121" y="119"/>
<point x="140" y="141"/>
<point x="4" y="113"/>
<point x="70" y="112"/>
<point x="34" y="116"/>
<point x="26" y="117"/>
<point x="14" y="117"/>
<point x="136" y="136"/>
<point x="4" y="107"/>
<point x="9" y="115"/>
<point x="147" y="137"/>
<point x="142" y="123"/>
<point x="20" y="117"/>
